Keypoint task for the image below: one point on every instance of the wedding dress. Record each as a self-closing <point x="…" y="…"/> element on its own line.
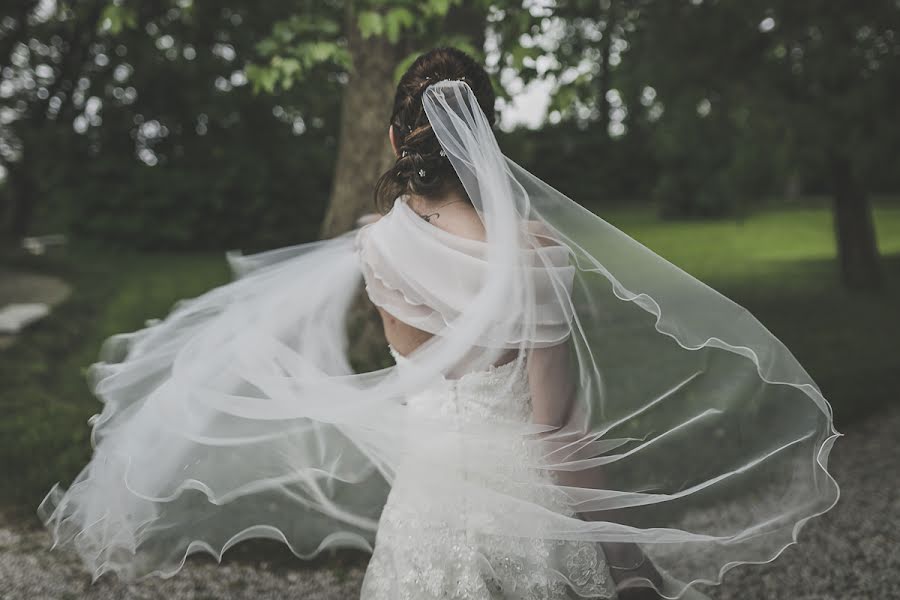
<point x="419" y="557"/>
<point x="644" y="420"/>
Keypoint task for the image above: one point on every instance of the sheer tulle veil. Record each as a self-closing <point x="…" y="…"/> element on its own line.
<point x="678" y="429"/>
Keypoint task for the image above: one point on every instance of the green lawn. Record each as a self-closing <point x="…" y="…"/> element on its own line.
<point x="778" y="264"/>
<point x="774" y="245"/>
<point x="44" y="436"/>
<point x="781" y="265"/>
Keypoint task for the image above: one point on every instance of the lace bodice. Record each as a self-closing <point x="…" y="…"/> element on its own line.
<point x="431" y="542"/>
<point x="498" y="392"/>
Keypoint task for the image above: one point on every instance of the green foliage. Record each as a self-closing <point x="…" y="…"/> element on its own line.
<point x="225" y="198"/>
<point x="297" y="47"/>
<point x="193" y="159"/>
<point x="317" y="38"/>
<point x="695" y="154"/>
<point x="396" y="21"/>
<point x="520" y="55"/>
<point x="116" y="17"/>
<point x="395" y="18"/>
<point x="370" y="23"/>
<point x="793" y="85"/>
<point x="284" y="71"/>
<point x="436" y="8"/>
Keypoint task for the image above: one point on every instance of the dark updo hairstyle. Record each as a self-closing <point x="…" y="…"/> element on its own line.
<point x="418" y="146"/>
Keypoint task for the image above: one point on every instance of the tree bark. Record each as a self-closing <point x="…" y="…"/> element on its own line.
<point x="364" y="151"/>
<point x="854" y="227"/>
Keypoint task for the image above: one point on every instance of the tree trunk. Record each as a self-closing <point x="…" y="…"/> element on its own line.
<point x="854" y="229"/>
<point x="364" y="151"/>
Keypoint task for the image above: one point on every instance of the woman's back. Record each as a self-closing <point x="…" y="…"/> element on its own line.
<point x="454" y="214"/>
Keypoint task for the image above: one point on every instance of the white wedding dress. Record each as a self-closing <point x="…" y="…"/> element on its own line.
<point x="420" y="556"/>
<point x="648" y="427"/>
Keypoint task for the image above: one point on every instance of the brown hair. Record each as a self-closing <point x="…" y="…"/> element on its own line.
<point x="418" y="146"/>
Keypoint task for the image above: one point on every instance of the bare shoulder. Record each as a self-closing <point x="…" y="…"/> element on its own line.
<point x="463" y="220"/>
<point x="459" y="218"/>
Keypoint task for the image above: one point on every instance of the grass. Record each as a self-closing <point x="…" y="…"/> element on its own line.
<point x="44" y="436"/>
<point x="767" y="247"/>
<point x="779" y="264"/>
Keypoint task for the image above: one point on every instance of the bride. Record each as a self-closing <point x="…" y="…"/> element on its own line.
<point x="569" y="415"/>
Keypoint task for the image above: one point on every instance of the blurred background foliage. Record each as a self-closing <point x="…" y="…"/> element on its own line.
<point x="132" y="125"/>
<point x="752" y="142"/>
<point x="169" y="124"/>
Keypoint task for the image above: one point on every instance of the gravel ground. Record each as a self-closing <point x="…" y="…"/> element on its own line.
<point x="851" y="552"/>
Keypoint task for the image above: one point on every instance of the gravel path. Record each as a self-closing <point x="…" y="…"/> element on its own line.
<point x="851" y="552"/>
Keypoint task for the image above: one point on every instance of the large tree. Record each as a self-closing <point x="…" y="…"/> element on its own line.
<point x="365" y="45"/>
<point x="812" y="82"/>
<point x="843" y="62"/>
<point x="368" y="47"/>
<point x="575" y="44"/>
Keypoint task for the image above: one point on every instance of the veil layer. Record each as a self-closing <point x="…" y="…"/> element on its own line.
<point x="676" y="430"/>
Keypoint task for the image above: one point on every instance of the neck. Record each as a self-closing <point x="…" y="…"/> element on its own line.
<point x="425" y="202"/>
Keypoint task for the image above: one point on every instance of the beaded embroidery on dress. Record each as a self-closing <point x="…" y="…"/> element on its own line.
<point x="419" y="555"/>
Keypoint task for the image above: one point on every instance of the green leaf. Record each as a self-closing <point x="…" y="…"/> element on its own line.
<point x="395" y="21"/>
<point x="370" y="23"/>
<point x="268" y="80"/>
<point x="283" y="32"/>
<point x="436" y="7"/>
<point x="266" y="47"/>
<point x="114" y="19"/>
<point x="287" y="66"/>
<point x="314" y="24"/>
<point x="520" y="53"/>
<point x="253" y="73"/>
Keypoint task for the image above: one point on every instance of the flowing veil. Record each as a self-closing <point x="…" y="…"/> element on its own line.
<point x="677" y="431"/>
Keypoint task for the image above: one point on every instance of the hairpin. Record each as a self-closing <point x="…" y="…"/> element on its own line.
<point x="422" y="173"/>
<point x="441" y="152"/>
